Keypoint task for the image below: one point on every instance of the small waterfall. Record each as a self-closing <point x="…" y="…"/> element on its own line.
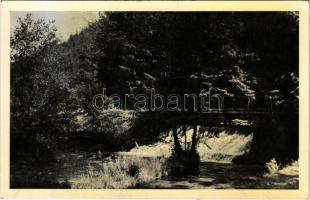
<point x="221" y="147"/>
<point x="224" y="147"/>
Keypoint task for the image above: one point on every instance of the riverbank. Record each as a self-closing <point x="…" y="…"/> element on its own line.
<point x="144" y="167"/>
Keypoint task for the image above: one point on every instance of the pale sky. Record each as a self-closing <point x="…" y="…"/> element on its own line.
<point x="67" y="22"/>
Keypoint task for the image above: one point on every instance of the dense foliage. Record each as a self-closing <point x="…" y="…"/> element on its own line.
<point x="53" y="83"/>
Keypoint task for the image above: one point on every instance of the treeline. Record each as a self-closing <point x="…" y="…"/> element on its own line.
<point x="231" y="53"/>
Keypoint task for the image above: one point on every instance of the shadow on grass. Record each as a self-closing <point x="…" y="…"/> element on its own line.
<point x="29" y="175"/>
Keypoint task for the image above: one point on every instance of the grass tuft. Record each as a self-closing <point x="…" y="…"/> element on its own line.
<point x="123" y="172"/>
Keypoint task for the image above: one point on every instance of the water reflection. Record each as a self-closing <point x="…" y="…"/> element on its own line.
<point x="226" y="176"/>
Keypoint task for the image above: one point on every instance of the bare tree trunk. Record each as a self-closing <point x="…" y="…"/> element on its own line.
<point x="177" y="146"/>
<point x="185" y="142"/>
<point x="194" y="139"/>
<point x="184" y="129"/>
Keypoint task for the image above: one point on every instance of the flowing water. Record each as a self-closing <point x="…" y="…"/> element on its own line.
<point x="217" y="170"/>
<point x="214" y="175"/>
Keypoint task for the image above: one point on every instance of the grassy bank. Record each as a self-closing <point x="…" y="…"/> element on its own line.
<point x="122" y="172"/>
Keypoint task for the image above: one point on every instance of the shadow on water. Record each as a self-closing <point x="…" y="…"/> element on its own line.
<point x="211" y="175"/>
<point x="225" y="176"/>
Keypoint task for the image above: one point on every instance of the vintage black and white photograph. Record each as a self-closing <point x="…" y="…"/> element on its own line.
<point x="154" y="100"/>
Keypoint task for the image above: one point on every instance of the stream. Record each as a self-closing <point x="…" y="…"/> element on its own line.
<point x="216" y="171"/>
<point x="214" y="175"/>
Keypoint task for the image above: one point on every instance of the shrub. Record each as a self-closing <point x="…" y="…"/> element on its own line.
<point x="133" y="170"/>
<point x="272" y="166"/>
